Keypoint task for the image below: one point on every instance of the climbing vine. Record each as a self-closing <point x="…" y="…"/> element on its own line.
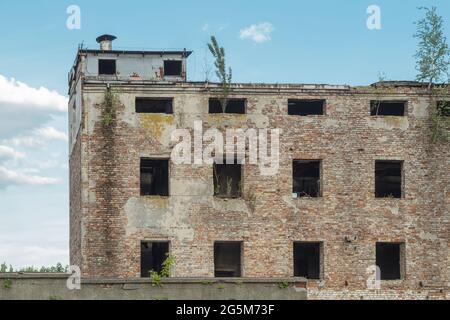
<point x="440" y="114"/>
<point x="109" y="107"/>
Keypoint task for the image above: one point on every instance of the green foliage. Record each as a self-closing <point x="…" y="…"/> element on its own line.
<point x="433" y="54"/>
<point x="156" y="278"/>
<point x="58" y="268"/>
<point x="284" y="285"/>
<point x="165" y="271"/>
<point x="224" y="76"/>
<point x="221" y="287"/>
<point x="4" y="268"/>
<point x="55" y="298"/>
<point x="109" y="107"/>
<point x="7" y="284"/>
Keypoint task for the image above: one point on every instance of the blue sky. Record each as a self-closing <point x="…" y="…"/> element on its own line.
<point x="323" y="41"/>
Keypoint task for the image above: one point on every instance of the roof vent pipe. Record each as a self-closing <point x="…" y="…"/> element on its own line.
<point x="106" y="42"/>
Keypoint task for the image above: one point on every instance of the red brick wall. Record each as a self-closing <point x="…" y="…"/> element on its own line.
<point x="268" y="220"/>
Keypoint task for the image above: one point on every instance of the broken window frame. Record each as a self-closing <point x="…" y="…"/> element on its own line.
<point x="238" y="270"/>
<point x="394" y="275"/>
<point x="377" y="182"/>
<point x="141" y="108"/>
<point x="295" y="190"/>
<point x="145" y="272"/>
<point x="100" y="61"/>
<point x="301" y="111"/>
<point x="163" y="191"/>
<point x="375" y="106"/>
<point x="238" y="186"/>
<point x="316" y="245"/>
<point x="167" y="68"/>
<point x="215" y="106"/>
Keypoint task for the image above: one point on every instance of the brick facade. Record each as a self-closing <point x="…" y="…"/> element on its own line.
<point x="109" y="218"/>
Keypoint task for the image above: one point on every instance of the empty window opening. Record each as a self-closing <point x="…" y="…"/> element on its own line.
<point x="388" y="179"/>
<point x="307" y="259"/>
<point x="306" y="178"/>
<point x="106" y="67"/>
<point x="227" y="259"/>
<point x="154" y="177"/>
<point x="227" y="180"/>
<point x="443" y="108"/>
<point x="154" y="105"/>
<point x="236" y="106"/>
<point x="387" y="108"/>
<point x="389" y="260"/>
<point x="173" y="67"/>
<point x="153" y="255"/>
<point x="306" y="107"/>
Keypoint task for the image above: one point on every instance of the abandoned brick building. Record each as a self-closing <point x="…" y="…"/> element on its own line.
<point x="360" y="182"/>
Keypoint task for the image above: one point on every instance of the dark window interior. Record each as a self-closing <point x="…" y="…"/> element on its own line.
<point x="172" y="67"/>
<point x="388" y="260"/>
<point x="107" y="67"/>
<point x="388" y="179"/>
<point x="306" y="178"/>
<point x="227" y="259"/>
<point x="154" y="105"/>
<point x="236" y="106"/>
<point x="154" y="177"/>
<point x="227" y="180"/>
<point x="307" y="260"/>
<point x="387" y="108"/>
<point x="306" y="107"/>
<point x="443" y="108"/>
<point x="153" y="254"/>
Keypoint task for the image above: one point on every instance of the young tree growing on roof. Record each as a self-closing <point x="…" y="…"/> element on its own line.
<point x="433" y="54"/>
<point x="432" y="64"/>
<point x="224" y="75"/>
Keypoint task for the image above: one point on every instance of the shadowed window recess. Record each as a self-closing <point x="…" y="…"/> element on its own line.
<point x="297" y="107"/>
<point x="307" y="259"/>
<point x="227" y="259"/>
<point x="227" y="180"/>
<point x="443" y="108"/>
<point x="154" y="105"/>
<point x="154" y="177"/>
<point x="236" y="106"/>
<point x="307" y="178"/>
<point x="173" y="67"/>
<point x="388" y="179"/>
<point x="153" y="255"/>
<point x="107" y="67"/>
<point x="387" y="108"/>
<point x="389" y="258"/>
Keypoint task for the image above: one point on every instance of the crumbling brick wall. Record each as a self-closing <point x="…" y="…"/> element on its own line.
<point x="268" y="219"/>
<point x="75" y="204"/>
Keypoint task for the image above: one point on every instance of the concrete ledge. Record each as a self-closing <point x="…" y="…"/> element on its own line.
<point x="28" y="286"/>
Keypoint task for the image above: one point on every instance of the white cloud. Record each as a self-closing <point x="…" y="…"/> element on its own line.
<point x="38" y="137"/>
<point x="258" y="32"/>
<point x="23" y="108"/>
<point x="19" y="178"/>
<point x="8" y="153"/>
<point x="17" y="93"/>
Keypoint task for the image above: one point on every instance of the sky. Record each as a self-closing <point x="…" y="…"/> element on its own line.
<point x="283" y="41"/>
